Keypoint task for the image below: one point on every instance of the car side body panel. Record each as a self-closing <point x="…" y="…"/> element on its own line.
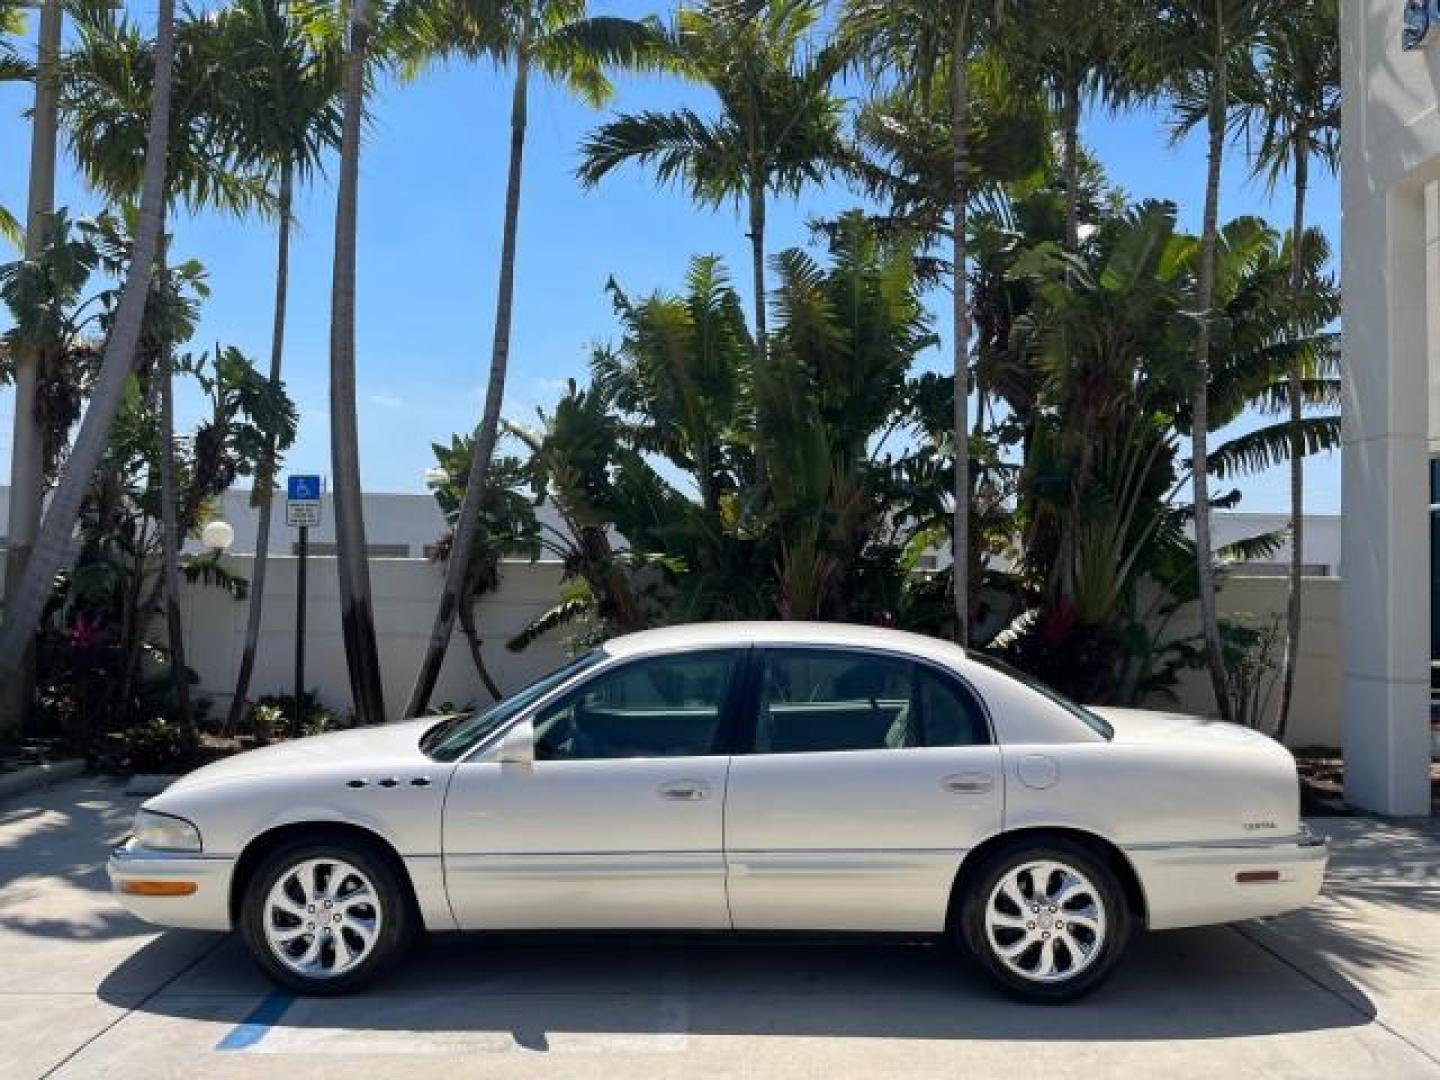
<point x="376" y="779"/>
<point x="856" y="840"/>
<point x="601" y="844"/>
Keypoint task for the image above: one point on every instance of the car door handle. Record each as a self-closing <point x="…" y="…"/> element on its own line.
<point x="684" y="790"/>
<point x="968" y="783"/>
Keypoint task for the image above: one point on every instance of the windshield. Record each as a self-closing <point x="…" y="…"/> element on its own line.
<point x="1095" y="723"/>
<point x="454" y="738"/>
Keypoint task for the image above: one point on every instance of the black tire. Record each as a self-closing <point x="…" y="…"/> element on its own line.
<point x="1089" y="970"/>
<point x="396" y="917"/>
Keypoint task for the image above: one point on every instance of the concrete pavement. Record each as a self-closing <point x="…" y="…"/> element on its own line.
<point x="1348" y="988"/>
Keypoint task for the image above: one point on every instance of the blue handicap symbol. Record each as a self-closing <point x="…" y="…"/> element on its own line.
<point x="303" y="488"/>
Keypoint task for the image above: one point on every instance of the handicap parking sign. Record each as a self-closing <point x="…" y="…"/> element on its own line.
<point x="302" y="501"/>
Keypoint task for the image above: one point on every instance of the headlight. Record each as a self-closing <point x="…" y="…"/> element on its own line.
<point x="161" y="832"/>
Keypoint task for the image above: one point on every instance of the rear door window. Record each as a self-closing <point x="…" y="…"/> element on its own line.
<point x="819" y="700"/>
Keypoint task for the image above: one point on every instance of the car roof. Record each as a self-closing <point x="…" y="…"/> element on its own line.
<point x="731" y="634"/>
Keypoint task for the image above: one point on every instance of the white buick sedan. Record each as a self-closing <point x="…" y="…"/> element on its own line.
<point x="743" y="776"/>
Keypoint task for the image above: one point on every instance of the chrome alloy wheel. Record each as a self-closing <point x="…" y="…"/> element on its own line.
<point x="322" y="918"/>
<point x="1045" y="921"/>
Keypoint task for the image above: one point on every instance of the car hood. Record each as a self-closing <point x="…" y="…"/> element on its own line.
<point x="385" y="745"/>
<point x="1147" y="725"/>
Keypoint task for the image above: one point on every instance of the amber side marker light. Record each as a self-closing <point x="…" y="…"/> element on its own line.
<point x="158" y="888"/>
<point x="1252" y="877"/>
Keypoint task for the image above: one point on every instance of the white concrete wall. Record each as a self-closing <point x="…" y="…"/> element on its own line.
<point x="406" y="591"/>
<point x="1391" y="226"/>
<point x="1315" y="714"/>
<point x="392" y="519"/>
<point x="1322" y="540"/>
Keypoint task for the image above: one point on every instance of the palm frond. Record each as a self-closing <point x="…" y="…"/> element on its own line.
<point x="1268" y="446"/>
<point x="10" y="229"/>
<point x="1255" y="548"/>
<point x="565" y="612"/>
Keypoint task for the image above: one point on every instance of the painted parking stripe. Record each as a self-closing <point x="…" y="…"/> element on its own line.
<point x="655" y="1022"/>
<point x="257" y="1025"/>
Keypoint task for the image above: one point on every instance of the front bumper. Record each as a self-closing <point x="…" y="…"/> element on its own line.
<point x="1196" y="884"/>
<point x="207" y="908"/>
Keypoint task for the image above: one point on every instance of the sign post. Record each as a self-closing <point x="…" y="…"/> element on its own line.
<point x="302" y="511"/>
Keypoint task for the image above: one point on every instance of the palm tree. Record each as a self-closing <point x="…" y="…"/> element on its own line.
<point x="929" y="48"/>
<point x="1072" y="50"/>
<point x="557" y="39"/>
<point x="281" y="114"/>
<point x="779" y="126"/>
<point x="1200" y="47"/>
<point x="1294" y="102"/>
<point x="357" y="608"/>
<point x="53" y="548"/>
<point x="105" y="88"/>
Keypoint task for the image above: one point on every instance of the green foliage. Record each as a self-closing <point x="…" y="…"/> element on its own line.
<point x="1090" y="351"/>
<point x="279" y="711"/>
<point x="1252" y="659"/>
<point x="508" y="526"/>
<point x="98" y="670"/>
<point x="778" y="127"/>
<point x="695" y="484"/>
<point x="107" y="73"/>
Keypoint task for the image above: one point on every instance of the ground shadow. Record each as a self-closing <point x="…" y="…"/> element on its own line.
<point x="1186" y="985"/>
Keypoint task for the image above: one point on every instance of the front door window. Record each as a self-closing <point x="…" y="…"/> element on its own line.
<point x="659" y="707"/>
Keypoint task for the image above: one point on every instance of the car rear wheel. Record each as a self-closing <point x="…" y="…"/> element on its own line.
<point x="325" y="918"/>
<point x="1047" y="921"/>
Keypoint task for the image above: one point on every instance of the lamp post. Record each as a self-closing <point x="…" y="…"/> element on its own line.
<point x="27" y="455"/>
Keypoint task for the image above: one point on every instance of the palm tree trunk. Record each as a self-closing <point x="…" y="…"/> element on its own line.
<point x="467" y="526"/>
<point x="1297" y="455"/>
<point x="1071" y="120"/>
<point x="27" y="457"/>
<point x="1062" y="579"/>
<point x="472" y="638"/>
<point x="53" y="547"/>
<point x="170" y="552"/>
<point x="357" y="609"/>
<point x="1200" y="408"/>
<point x="960" y="154"/>
<point x="264" y="493"/>
<point x="757" y="262"/>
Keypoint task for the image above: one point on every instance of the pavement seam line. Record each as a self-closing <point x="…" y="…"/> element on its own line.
<point x="1373" y="1015"/>
<point x="133" y="1009"/>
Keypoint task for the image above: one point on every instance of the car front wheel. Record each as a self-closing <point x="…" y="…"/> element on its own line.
<point x="325" y="918"/>
<point x="1047" y="921"/>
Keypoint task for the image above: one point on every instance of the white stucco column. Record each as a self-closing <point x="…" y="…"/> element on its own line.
<point x="1389" y="247"/>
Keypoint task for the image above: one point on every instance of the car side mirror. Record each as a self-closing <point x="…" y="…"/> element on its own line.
<point x="518" y="745"/>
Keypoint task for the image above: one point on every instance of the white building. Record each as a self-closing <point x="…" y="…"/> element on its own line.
<point x="405" y="526"/>
<point x="397" y="526"/>
<point x="1390" y="271"/>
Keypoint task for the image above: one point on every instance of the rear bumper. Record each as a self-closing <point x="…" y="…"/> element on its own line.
<point x="207" y="908"/>
<point x="1197" y="884"/>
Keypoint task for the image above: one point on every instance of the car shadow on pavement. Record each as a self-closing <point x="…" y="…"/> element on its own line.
<point x="531" y="990"/>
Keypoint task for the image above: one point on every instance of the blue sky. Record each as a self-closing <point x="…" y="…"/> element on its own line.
<point x="432" y="180"/>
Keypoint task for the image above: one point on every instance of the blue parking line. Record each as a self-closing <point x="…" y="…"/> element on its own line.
<point x="254" y="1027"/>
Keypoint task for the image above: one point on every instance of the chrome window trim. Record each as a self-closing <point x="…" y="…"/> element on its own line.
<point x="610" y="662"/>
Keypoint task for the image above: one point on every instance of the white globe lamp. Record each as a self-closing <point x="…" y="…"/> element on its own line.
<point x="217" y="536"/>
